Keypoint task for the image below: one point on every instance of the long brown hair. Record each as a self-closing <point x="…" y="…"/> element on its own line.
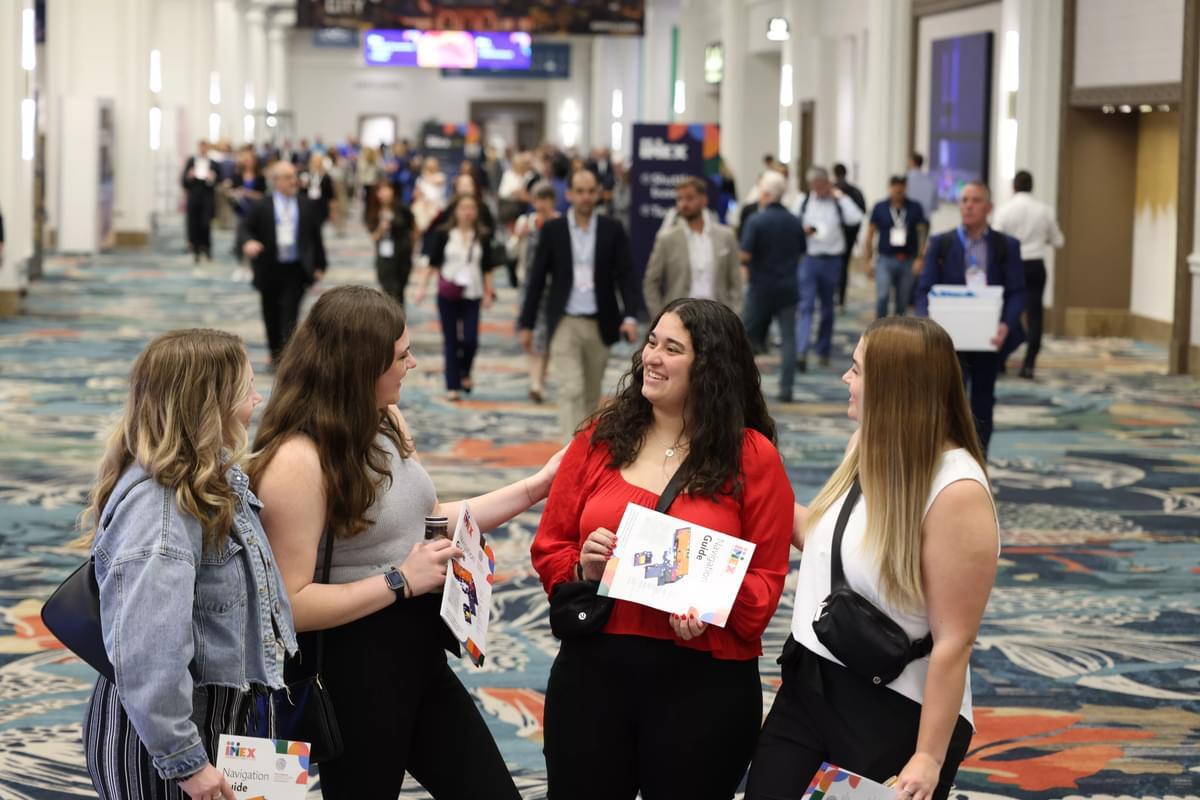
<point x="724" y="399"/>
<point x="325" y="390"/>
<point x="912" y="403"/>
<point x="179" y="423"/>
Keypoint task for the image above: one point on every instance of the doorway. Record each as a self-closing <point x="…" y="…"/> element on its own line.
<point x="376" y="129"/>
<point x="805" y="146"/>
<point x="518" y="124"/>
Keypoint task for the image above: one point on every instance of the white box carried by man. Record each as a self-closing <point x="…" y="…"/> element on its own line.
<point x="970" y="314"/>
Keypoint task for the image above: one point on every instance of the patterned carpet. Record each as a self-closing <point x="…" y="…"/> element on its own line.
<point x="1087" y="672"/>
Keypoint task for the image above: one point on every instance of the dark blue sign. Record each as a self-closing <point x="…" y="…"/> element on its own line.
<point x="550" y="61"/>
<point x="336" y="37"/>
<point x="663" y="155"/>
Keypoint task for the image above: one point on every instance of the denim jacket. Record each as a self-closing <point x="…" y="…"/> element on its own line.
<point x="177" y="617"/>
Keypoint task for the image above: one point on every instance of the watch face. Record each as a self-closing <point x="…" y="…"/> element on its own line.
<point x="395" y="580"/>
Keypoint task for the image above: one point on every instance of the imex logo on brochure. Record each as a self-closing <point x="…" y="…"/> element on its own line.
<point x="738" y="553"/>
<point x="235" y="750"/>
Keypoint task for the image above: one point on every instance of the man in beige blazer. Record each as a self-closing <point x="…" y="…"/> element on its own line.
<point x="693" y="255"/>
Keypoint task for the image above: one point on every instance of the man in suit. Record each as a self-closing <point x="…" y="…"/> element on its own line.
<point x="201" y="175"/>
<point x="694" y="257"/>
<point x="975" y="255"/>
<point x="281" y="235"/>
<point x="593" y="299"/>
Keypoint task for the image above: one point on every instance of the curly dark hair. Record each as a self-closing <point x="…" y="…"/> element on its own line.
<point x="724" y="399"/>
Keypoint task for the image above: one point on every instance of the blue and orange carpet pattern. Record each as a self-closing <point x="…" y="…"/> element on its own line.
<point x="1087" y="669"/>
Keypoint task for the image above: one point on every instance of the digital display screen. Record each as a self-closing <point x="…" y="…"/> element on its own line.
<point x="447" y="49"/>
<point x="960" y="103"/>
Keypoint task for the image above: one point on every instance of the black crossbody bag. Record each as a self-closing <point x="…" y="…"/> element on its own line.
<point x="303" y="711"/>
<point x="575" y="607"/>
<point x="862" y="637"/>
<point x="72" y="613"/>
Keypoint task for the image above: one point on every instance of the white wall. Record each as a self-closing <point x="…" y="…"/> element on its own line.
<point x="1121" y="43"/>
<point x="330" y="88"/>
<point x="978" y="19"/>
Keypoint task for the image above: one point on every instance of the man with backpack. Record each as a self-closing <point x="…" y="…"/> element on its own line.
<point x="975" y="255"/>
<point x="825" y="212"/>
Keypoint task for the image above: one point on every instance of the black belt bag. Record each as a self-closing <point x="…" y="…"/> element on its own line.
<point x="575" y="607"/>
<point x="862" y="637"/>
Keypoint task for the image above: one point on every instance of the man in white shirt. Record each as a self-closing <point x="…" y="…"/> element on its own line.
<point x="1032" y="223"/>
<point x="920" y="185"/>
<point x="825" y="212"/>
<point x="694" y="255"/>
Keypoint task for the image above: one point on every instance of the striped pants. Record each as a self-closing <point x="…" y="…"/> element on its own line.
<point x="119" y="764"/>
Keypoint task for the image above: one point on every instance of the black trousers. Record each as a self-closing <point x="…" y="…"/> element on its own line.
<point x="824" y="712"/>
<point x="393" y="275"/>
<point x="400" y="707"/>
<point x="628" y="713"/>
<point x="979" y="379"/>
<point x="281" y="297"/>
<point x="199" y="225"/>
<point x="1035" y="287"/>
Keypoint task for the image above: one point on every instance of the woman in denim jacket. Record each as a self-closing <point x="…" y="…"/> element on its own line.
<point x="193" y="611"/>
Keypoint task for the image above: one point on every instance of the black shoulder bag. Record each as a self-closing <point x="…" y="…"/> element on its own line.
<point x="575" y="608"/>
<point x="862" y="637"/>
<point x="303" y="710"/>
<point x="72" y="613"/>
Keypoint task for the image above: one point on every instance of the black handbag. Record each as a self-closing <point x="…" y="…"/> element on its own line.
<point x="862" y="637"/>
<point x="72" y="613"/>
<point x="575" y="607"/>
<point x="303" y="710"/>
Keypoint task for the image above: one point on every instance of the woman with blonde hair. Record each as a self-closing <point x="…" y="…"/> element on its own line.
<point x="920" y="545"/>
<point x="334" y="457"/>
<point x="193" y="611"/>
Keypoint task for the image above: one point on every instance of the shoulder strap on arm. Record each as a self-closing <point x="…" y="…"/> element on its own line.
<point x="836" y="573"/>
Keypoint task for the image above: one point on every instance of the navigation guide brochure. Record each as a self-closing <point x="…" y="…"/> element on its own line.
<point x="467" y="593"/>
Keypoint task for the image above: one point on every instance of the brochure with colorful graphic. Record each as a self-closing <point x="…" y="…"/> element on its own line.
<point x="264" y="769"/>
<point x="467" y="594"/>
<point x="675" y="566"/>
<point x="835" y="783"/>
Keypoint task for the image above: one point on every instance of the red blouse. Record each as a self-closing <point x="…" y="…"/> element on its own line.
<point x="587" y="495"/>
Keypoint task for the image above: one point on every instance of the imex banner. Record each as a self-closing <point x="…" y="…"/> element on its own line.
<point x="663" y="155"/>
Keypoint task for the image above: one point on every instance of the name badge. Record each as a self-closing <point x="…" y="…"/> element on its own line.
<point x="976" y="278"/>
<point x="285" y="235"/>
<point x="314" y="190"/>
<point x="387" y="248"/>
<point x="898" y="237"/>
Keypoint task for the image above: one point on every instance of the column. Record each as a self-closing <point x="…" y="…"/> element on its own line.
<point x="200" y="65"/>
<point x="614" y="68"/>
<point x="277" y="74"/>
<point x="16" y="190"/>
<point x="255" y="93"/>
<point x="695" y="34"/>
<point x="134" y="168"/>
<point x="657" y="91"/>
<point x="228" y="32"/>
<point x="889" y="50"/>
<point x="731" y="108"/>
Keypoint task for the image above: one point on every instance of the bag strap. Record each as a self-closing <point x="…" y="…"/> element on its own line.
<point x="326" y="566"/>
<point x="673" y="486"/>
<point x="837" y="577"/>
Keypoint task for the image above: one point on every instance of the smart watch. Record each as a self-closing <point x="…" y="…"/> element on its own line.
<point x="395" y="581"/>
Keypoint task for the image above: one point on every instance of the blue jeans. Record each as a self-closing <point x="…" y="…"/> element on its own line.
<point x="819" y="276"/>
<point x="892" y="274"/>
<point x="763" y="306"/>
<point x="460" y="338"/>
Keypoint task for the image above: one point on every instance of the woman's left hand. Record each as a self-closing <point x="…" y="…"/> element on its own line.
<point x="919" y="778"/>
<point x="488" y="299"/>
<point x="687" y="626"/>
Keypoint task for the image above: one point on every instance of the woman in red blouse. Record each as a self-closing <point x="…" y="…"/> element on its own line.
<point x="666" y="705"/>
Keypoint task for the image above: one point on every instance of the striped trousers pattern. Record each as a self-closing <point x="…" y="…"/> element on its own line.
<point x="120" y="766"/>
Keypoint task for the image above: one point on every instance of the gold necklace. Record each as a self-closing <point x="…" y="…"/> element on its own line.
<point x="670" y="449"/>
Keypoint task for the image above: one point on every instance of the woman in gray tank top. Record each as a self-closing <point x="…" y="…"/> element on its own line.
<point x="334" y="456"/>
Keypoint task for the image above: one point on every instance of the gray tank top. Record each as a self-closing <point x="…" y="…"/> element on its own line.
<point x="399" y="521"/>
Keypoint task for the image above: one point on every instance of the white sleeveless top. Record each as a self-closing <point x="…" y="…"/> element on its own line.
<point x="862" y="574"/>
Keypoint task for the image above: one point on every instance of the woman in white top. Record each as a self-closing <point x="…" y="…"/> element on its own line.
<point x="429" y="195"/>
<point x="921" y="544"/>
<point x="463" y="258"/>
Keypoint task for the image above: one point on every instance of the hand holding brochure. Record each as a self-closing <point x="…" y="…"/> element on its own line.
<point x="467" y="594"/>
<point x="835" y="783"/>
<point x="264" y="769"/>
<point x="675" y="566"/>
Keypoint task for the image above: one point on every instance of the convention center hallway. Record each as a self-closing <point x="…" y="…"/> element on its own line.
<point x="1087" y="670"/>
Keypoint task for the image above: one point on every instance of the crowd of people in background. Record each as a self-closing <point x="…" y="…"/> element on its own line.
<point x="556" y="225"/>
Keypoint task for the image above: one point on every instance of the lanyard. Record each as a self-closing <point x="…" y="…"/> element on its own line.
<point x="288" y="210"/>
<point x="898" y="220"/>
<point x="972" y="261"/>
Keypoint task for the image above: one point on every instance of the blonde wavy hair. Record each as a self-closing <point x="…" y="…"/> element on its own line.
<point x="180" y="424"/>
<point x="912" y="403"/>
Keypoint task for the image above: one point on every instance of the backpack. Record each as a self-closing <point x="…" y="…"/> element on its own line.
<point x="841" y="219"/>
